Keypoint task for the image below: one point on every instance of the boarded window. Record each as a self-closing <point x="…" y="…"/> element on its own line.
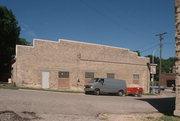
<point x="63" y="74"/>
<point x="110" y="75"/>
<point x="89" y="74"/>
<point x="136" y="78"/>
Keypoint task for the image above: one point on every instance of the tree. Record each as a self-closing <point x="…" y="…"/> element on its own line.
<point x="9" y="31"/>
<point x="22" y="41"/>
<point x="9" y="37"/>
<point x="138" y="52"/>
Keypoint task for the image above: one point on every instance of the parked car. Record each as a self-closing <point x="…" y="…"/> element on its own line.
<point x="157" y="87"/>
<point x="134" y="91"/>
<point x="99" y="86"/>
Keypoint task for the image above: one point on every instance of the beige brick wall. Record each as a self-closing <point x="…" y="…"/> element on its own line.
<point x="76" y="58"/>
<point x="177" y="37"/>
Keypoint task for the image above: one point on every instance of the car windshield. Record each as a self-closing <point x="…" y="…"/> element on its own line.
<point x="94" y="80"/>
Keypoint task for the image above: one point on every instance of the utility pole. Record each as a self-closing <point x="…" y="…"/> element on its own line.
<point x="160" y="63"/>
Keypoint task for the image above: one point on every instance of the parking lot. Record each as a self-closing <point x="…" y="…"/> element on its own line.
<point x="51" y="105"/>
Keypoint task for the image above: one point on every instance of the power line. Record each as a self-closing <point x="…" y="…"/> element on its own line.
<point x="106" y="16"/>
<point x="153" y="46"/>
<point x="149" y="48"/>
<point x="167" y="43"/>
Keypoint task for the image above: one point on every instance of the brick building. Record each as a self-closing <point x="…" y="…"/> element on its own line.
<point x="177" y="37"/>
<point x="167" y="79"/>
<point x="68" y="65"/>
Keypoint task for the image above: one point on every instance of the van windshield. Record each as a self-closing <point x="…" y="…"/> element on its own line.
<point x="94" y="80"/>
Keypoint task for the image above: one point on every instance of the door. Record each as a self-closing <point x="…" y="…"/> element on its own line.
<point x="45" y="79"/>
<point x="103" y="85"/>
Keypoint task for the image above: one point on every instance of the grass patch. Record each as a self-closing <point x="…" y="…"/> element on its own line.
<point x="149" y="94"/>
<point x="163" y="118"/>
<point x="39" y="89"/>
<point x="9" y="87"/>
<point x="169" y="118"/>
<point x="150" y="118"/>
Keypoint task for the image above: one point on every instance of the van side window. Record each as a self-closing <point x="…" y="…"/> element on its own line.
<point x="101" y="81"/>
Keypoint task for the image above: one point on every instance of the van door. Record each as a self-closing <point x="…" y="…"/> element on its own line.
<point x="103" y="85"/>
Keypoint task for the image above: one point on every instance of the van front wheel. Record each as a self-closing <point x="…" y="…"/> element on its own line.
<point x="97" y="92"/>
<point x="121" y="93"/>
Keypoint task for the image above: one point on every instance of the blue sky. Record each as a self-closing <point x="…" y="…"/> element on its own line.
<point x="130" y="24"/>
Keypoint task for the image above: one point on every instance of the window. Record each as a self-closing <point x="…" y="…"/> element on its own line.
<point x="89" y="74"/>
<point x="63" y="74"/>
<point x="135" y="76"/>
<point x="170" y="83"/>
<point x="110" y="75"/>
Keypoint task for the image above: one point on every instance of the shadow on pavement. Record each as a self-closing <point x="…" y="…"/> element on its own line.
<point x="163" y="105"/>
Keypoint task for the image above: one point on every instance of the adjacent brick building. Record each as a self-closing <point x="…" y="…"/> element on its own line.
<point x="177" y="37"/>
<point x="68" y="65"/>
<point x="167" y="79"/>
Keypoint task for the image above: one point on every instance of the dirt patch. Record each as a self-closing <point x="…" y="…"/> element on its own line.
<point x="31" y="116"/>
<point x="12" y="116"/>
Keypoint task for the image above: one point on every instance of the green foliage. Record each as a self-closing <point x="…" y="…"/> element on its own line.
<point x="9" y="37"/>
<point x="9" y="31"/>
<point x="138" y="52"/>
<point x="22" y="41"/>
<point x="154" y="82"/>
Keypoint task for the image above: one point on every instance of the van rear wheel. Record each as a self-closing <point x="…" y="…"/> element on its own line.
<point x="121" y="93"/>
<point x="97" y="92"/>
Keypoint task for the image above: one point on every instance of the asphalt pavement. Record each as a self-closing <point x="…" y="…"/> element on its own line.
<point x="57" y="103"/>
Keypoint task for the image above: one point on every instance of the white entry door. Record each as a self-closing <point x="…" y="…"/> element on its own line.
<point x="45" y="79"/>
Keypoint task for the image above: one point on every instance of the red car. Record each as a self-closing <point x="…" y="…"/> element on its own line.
<point x="134" y="91"/>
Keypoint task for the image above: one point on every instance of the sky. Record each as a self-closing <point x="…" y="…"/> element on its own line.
<point x="130" y="24"/>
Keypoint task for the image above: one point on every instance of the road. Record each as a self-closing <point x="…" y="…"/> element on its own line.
<point x="57" y="103"/>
